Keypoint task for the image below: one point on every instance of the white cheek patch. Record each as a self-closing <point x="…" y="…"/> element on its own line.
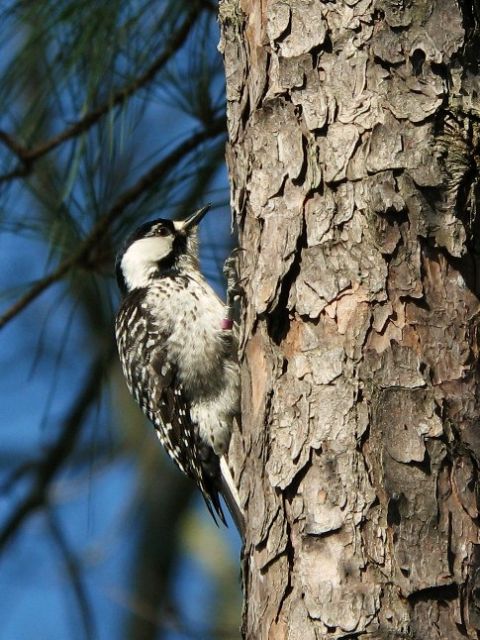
<point x="142" y="257"/>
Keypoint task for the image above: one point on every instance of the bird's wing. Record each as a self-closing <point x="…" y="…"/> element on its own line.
<point x="153" y="381"/>
<point x="176" y="431"/>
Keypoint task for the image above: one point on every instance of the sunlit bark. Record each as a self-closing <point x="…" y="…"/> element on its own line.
<point x="353" y="160"/>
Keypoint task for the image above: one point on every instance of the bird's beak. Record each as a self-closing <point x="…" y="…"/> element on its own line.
<point x="191" y="221"/>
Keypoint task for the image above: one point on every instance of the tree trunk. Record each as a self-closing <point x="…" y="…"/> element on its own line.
<point x="353" y="160"/>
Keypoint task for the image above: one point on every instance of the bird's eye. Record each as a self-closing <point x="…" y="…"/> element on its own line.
<point x="163" y="231"/>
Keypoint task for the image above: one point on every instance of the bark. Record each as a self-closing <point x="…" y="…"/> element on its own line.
<point x="353" y="156"/>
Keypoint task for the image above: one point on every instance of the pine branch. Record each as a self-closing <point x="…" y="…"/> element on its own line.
<point x="81" y="256"/>
<point x="45" y="470"/>
<point x="29" y="156"/>
<point x="72" y="568"/>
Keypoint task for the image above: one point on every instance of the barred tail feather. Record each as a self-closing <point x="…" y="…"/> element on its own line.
<point x="214" y="507"/>
<point x="229" y="493"/>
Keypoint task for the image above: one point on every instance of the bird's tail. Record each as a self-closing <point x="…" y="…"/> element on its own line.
<point x="229" y="493"/>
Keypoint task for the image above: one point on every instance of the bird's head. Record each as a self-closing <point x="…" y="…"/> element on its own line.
<point x="158" y="247"/>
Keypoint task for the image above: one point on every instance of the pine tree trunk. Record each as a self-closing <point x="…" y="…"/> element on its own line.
<point x="353" y="160"/>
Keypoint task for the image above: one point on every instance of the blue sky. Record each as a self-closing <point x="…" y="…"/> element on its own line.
<point x="33" y="586"/>
<point x="44" y="356"/>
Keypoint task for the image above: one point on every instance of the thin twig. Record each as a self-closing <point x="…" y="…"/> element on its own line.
<point x="12" y="144"/>
<point x="156" y="173"/>
<point x="44" y="470"/>
<point x="74" y="573"/>
<point x="28" y="156"/>
<point x="19" y="172"/>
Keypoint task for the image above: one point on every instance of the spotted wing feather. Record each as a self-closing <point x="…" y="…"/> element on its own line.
<point x="153" y="382"/>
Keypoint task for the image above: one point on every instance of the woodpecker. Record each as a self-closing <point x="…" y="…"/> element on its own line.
<point x="178" y="349"/>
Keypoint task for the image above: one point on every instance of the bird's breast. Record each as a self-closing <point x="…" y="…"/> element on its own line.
<point x="190" y="315"/>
